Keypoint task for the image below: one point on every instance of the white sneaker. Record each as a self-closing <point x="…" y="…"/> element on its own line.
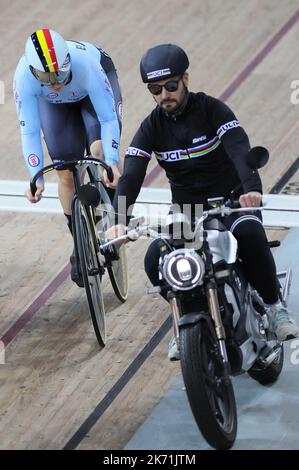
<point x="282" y="324"/>
<point x="173" y="351"/>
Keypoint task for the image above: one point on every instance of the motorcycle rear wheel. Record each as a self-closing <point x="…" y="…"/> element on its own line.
<point x="211" y="396"/>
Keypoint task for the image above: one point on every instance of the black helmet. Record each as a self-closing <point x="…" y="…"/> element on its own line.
<point x="163" y="61"/>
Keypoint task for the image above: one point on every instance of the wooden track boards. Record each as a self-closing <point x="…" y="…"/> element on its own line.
<point x="54" y="375"/>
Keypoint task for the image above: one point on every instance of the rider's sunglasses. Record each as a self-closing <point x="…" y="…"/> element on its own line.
<point x="171" y="86"/>
<point x="50" y="78"/>
<point x="53" y="78"/>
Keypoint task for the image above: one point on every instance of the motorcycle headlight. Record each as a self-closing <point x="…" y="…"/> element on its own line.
<point x="183" y="269"/>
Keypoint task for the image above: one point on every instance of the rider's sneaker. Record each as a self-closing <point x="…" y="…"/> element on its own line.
<point x="173" y="351"/>
<point x="281" y="323"/>
<point x="76" y="274"/>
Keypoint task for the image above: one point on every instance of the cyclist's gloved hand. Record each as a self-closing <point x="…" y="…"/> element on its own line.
<point x="251" y="199"/>
<point x="38" y="195"/>
<point x="116" y="176"/>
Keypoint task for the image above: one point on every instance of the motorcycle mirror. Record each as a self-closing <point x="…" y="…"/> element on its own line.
<point x="257" y="157"/>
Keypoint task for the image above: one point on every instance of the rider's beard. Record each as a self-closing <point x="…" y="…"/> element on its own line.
<point x="180" y="104"/>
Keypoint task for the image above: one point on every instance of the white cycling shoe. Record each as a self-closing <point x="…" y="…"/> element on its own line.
<point x="173" y="351"/>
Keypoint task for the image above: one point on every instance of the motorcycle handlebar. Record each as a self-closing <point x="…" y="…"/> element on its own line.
<point x="236" y="205"/>
<point x="233" y="204"/>
<point x="133" y="233"/>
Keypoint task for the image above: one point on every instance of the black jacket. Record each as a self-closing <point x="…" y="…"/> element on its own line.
<point x="202" y="150"/>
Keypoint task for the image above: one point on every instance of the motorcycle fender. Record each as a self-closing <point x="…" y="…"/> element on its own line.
<point x="192" y="318"/>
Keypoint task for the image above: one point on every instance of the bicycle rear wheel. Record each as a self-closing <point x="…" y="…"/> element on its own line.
<point x="117" y="268"/>
<point x="119" y="276"/>
<point x="91" y="269"/>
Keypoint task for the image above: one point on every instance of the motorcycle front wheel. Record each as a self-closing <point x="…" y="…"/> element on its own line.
<point x="210" y="394"/>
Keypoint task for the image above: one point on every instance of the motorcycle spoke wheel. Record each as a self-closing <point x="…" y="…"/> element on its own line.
<point x="210" y="394"/>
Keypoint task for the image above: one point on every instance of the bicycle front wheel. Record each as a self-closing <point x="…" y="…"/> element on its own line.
<point x="91" y="269"/>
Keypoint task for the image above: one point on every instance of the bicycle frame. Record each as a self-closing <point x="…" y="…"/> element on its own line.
<point x="86" y="237"/>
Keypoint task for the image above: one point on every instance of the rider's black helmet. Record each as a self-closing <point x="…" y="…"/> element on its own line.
<point x="163" y="61"/>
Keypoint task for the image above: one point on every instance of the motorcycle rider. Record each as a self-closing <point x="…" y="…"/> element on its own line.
<point x="200" y="144"/>
<point x="70" y="90"/>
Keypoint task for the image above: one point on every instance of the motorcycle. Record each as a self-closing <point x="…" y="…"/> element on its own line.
<point x="227" y="334"/>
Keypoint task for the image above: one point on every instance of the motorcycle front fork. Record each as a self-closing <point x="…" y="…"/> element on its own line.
<point x="214" y="310"/>
<point x="176" y="314"/>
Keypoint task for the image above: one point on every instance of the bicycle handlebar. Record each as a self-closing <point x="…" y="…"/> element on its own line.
<point x="63" y="165"/>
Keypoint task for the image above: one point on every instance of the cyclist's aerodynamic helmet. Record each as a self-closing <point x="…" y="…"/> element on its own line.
<point x="48" y="56"/>
<point x="163" y="61"/>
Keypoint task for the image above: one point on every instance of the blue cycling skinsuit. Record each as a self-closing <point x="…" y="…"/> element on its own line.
<point x="86" y="109"/>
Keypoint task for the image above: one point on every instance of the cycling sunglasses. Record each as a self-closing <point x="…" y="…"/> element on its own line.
<point x="171" y="86"/>
<point x="53" y="78"/>
<point x="50" y="78"/>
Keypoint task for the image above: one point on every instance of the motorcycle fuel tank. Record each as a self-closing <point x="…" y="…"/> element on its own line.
<point x="223" y="246"/>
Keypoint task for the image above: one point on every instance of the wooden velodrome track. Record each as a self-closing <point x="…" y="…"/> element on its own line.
<point x="58" y="390"/>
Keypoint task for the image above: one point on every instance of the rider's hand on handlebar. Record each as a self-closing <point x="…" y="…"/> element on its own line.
<point x="251" y="199"/>
<point x="116" y="231"/>
<point x="38" y="195"/>
<point x="116" y="176"/>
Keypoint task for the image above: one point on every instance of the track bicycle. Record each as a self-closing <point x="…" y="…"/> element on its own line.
<point x="91" y="217"/>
